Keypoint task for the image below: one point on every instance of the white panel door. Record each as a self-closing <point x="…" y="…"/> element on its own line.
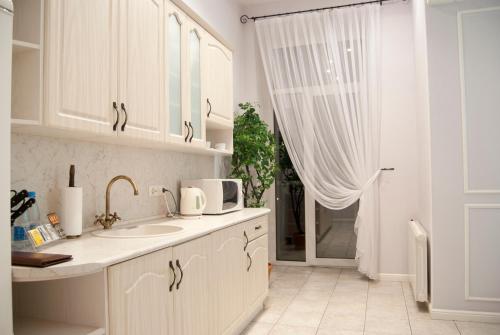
<point x="176" y="28"/>
<point x="195" y="90"/>
<point x="256" y="279"/>
<point x="138" y="295"/>
<point x="141" y="69"/>
<point x="219" y="81"/>
<point x="80" y="64"/>
<point x="229" y="271"/>
<point x="192" y="293"/>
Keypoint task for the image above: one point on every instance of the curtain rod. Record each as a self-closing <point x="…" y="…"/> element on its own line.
<point x="244" y="18"/>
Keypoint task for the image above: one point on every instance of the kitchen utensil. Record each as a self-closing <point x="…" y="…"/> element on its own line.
<point x="193" y="201"/>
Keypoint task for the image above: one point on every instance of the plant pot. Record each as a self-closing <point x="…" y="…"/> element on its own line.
<point x="299" y="240"/>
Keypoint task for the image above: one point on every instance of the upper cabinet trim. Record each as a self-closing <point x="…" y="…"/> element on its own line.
<point x="198" y="19"/>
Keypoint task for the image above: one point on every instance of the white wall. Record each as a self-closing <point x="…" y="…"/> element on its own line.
<point x="5" y="276"/>
<point x="399" y="189"/>
<point x="449" y="277"/>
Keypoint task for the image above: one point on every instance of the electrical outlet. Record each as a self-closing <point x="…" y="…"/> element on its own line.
<point x="155" y="190"/>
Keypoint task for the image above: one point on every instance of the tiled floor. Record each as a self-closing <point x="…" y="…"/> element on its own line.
<point x="326" y="301"/>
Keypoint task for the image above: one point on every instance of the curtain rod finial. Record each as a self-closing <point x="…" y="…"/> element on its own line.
<point x="244" y="19"/>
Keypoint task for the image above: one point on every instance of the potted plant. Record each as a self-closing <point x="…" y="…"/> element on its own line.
<point x="253" y="159"/>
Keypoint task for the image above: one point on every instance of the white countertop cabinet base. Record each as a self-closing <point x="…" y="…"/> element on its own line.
<point x="208" y="285"/>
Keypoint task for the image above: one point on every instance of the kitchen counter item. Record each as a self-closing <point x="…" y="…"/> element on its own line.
<point x="38" y="259"/>
<point x="193" y="201"/>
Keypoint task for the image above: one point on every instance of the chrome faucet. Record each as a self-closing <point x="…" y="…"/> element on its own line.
<point x="107" y="219"/>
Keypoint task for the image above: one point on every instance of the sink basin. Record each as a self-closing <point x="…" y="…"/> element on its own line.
<point x="148" y="230"/>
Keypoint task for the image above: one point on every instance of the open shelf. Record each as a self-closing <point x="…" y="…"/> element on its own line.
<point x="27" y="63"/>
<point x="28" y="326"/>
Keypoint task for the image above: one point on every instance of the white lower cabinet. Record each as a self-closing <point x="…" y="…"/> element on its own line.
<point x="256" y="279"/>
<point x="229" y="278"/>
<point x="192" y="302"/>
<point x="210" y="285"/>
<point x="139" y="300"/>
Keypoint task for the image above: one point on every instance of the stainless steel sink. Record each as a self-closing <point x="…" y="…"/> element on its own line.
<point x="147" y="230"/>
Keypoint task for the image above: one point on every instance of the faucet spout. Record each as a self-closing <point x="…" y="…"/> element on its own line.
<point x="107" y="220"/>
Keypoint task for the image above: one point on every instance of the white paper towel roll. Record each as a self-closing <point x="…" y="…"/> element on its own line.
<point x="71" y="210"/>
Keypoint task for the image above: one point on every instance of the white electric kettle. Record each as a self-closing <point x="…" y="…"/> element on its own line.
<point x="193" y="201"/>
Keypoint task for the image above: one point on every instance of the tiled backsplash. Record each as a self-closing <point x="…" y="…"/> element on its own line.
<point x="41" y="164"/>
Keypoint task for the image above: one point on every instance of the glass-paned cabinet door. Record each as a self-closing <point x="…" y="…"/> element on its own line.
<point x="195" y="83"/>
<point x="174" y="46"/>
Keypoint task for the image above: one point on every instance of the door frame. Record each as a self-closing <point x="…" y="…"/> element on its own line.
<point x="311" y="259"/>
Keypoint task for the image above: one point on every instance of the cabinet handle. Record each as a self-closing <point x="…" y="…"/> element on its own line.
<point x="126" y="116"/>
<point x="182" y="273"/>
<point x="192" y="132"/>
<point x="115" y="107"/>
<point x="250" y="265"/>
<point x="187" y="127"/>
<point x="209" y="107"/>
<point x="258" y="227"/>
<point x="246" y="242"/>
<point x="171" y="266"/>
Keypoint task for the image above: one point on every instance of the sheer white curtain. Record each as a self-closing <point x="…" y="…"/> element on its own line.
<point x="322" y="70"/>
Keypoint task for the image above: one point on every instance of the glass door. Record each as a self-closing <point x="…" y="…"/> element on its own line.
<point x="306" y="231"/>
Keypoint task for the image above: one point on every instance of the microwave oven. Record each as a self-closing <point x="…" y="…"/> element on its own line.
<point x="223" y="195"/>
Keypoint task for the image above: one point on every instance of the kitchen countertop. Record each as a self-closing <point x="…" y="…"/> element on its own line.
<point x="93" y="253"/>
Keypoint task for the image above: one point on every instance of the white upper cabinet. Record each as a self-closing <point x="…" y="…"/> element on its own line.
<point x="81" y="64"/>
<point x="196" y="115"/>
<point x="175" y="31"/>
<point x="219" y="67"/>
<point x="141" y="68"/>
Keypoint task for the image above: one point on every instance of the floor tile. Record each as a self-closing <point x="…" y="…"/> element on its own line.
<point x="397" y="312"/>
<point x="258" y="328"/>
<point x="342" y="322"/>
<point x="304" y="313"/>
<point x="433" y="327"/>
<point x="381" y="326"/>
<point x="477" y="328"/>
<point x="281" y="329"/>
<point x="346" y="309"/>
<point x="321" y="285"/>
<point x="324" y="331"/>
<point x="385" y="287"/>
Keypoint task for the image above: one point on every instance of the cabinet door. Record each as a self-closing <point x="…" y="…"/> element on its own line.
<point x="195" y="75"/>
<point x="256" y="285"/>
<point x="229" y="273"/>
<point x="192" y="297"/>
<point x="81" y="64"/>
<point x="175" y="65"/>
<point x="141" y="69"/>
<point x="219" y="67"/>
<point x="138" y="295"/>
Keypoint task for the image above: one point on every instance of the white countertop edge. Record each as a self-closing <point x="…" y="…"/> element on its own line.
<point x="77" y="267"/>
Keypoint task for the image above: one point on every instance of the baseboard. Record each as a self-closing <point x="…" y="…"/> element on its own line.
<point x="394" y="277"/>
<point x="457" y="315"/>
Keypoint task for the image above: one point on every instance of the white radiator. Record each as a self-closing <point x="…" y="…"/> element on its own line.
<point x="417" y="260"/>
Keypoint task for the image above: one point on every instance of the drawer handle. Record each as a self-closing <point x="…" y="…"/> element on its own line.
<point x="126" y="116"/>
<point x="188" y="131"/>
<point x="192" y="132"/>
<point x="246" y="242"/>
<point x="209" y="107"/>
<point x="115" y="107"/>
<point x="258" y="227"/>
<point x="250" y="265"/>
<point x="171" y="266"/>
<point x="182" y="273"/>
